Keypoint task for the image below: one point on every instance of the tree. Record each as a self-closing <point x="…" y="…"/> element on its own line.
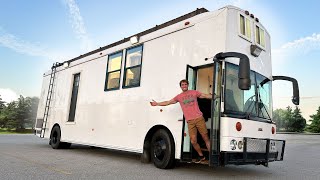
<point x="2" y="104"/>
<point x="19" y="114"/>
<point x="297" y="123"/>
<point x="8" y="116"/>
<point x="315" y="122"/>
<point x="33" y="108"/>
<point x="287" y="118"/>
<point x="22" y="112"/>
<point x="278" y="118"/>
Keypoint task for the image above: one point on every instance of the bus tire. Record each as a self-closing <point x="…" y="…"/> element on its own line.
<point x="55" y="139"/>
<point x="162" y="150"/>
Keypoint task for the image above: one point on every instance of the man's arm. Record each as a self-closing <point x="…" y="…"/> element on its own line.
<point x="206" y="96"/>
<point x="164" y="103"/>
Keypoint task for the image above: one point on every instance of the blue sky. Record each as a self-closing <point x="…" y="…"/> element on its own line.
<point x="34" y="34"/>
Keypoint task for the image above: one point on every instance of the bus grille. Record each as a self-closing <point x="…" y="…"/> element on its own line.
<point x="276" y="147"/>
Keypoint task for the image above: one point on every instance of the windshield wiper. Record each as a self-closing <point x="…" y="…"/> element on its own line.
<point x="248" y="111"/>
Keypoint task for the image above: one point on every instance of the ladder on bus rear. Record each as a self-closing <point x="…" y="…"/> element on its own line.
<point x="48" y="100"/>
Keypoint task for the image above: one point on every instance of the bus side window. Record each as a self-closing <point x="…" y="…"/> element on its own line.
<point x="132" y="69"/>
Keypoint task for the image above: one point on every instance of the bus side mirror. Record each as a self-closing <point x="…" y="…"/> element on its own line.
<point x="295" y="86"/>
<point x="244" y="82"/>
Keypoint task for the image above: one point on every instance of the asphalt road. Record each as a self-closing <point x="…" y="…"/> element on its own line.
<point x="29" y="157"/>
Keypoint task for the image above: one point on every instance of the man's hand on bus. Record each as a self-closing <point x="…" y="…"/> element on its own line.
<point x="206" y="96"/>
<point x="153" y="103"/>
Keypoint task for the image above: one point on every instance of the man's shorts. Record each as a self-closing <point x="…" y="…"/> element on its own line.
<point x="197" y="124"/>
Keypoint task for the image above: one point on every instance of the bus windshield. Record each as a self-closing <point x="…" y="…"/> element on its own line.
<point x="255" y="103"/>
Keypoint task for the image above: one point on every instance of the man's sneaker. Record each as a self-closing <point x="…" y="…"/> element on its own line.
<point x="200" y="159"/>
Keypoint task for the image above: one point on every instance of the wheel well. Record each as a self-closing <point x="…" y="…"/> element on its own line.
<point x="147" y="141"/>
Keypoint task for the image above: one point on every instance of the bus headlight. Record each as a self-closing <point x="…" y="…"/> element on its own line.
<point x="240" y="145"/>
<point x="233" y="144"/>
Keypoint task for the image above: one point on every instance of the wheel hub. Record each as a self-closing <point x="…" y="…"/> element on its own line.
<point x="160" y="149"/>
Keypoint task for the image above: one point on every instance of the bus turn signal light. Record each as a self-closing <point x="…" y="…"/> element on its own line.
<point x="238" y="126"/>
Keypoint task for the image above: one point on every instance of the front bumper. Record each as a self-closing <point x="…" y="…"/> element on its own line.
<point x="256" y="151"/>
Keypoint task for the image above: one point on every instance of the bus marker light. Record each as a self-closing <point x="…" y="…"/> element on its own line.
<point x="187" y="23"/>
<point x="273" y="130"/>
<point x="185" y="134"/>
<point x="238" y="126"/>
<point x="161" y="110"/>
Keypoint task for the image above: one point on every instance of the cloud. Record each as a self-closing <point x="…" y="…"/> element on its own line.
<point x="78" y="26"/>
<point x="302" y="45"/>
<point x="24" y="47"/>
<point x="8" y="95"/>
<point x="294" y="48"/>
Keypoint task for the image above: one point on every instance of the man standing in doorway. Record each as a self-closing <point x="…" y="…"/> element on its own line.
<point x="193" y="115"/>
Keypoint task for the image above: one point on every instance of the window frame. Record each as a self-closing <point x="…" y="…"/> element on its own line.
<point x="72" y="121"/>
<point x="255" y="35"/>
<point x="107" y="73"/>
<point x="245" y="29"/>
<point x="242" y="115"/>
<point x="125" y="68"/>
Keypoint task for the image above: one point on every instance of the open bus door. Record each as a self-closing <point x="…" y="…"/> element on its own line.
<point x="214" y="152"/>
<point x="186" y="154"/>
<point x="200" y="78"/>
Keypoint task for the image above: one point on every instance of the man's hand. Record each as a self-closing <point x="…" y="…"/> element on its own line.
<point x="153" y="103"/>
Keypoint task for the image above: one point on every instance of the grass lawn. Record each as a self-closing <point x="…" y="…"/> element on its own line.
<point x="14" y="131"/>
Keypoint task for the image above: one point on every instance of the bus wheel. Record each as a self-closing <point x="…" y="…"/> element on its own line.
<point x="55" y="139"/>
<point x="162" y="150"/>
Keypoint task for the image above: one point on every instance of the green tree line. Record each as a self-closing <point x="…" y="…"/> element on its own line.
<point x="19" y="114"/>
<point x="290" y="120"/>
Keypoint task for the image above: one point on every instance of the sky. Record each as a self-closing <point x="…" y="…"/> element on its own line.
<point x="35" y="34"/>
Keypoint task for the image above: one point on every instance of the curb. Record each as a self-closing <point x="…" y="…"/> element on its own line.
<point x="298" y="133"/>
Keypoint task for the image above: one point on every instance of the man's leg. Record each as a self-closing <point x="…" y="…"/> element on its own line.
<point x="195" y="145"/>
<point x="193" y="137"/>
<point x="202" y="128"/>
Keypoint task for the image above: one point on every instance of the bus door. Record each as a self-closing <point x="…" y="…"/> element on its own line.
<point x="186" y="149"/>
<point x="215" y="115"/>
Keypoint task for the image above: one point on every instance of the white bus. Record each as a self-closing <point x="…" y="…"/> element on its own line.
<point x="101" y="98"/>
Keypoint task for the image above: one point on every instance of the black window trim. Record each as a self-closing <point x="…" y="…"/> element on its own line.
<point x="244" y="36"/>
<point x="75" y="105"/>
<point x="107" y="73"/>
<point x="264" y="34"/>
<point x="125" y="68"/>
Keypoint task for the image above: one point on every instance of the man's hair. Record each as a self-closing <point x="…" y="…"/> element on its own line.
<point x="183" y="81"/>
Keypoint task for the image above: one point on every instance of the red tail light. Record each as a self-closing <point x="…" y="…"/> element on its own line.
<point x="273" y="130"/>
<point x="238" y="126"/>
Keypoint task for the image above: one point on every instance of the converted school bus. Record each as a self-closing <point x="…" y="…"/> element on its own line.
<point x="101" y="98"/>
